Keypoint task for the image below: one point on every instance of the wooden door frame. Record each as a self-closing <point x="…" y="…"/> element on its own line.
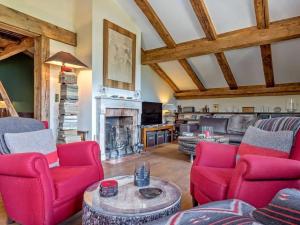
<point x="41" y="72"/>
<point x="41" y="31"/>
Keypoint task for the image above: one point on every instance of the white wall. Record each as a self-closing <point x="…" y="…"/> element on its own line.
<point x="58" y="12"/>
<point x="155" y="89"/>
<point x="110" y="10"/>
<point x="227" y="104"/>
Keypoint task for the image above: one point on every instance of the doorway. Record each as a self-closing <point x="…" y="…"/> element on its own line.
<point x="23" y="73"/>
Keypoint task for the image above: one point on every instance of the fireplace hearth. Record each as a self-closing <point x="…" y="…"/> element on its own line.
<point x="118" y="136"/>
<point x="118" y="127"/>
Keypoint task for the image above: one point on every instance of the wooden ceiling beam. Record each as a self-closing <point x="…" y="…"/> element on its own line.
<point x="278" y="31"/>
<point x="18" y="22"/>
<point x="242" y="91"/>
<point x="263" y="21"/>
<point x="228" y="75"/>
<point x="155" y="21"/>
<point x="189" y="70"/>
<point x="157" y="69"/>
<point x="208" y="27"/>
<point x="14" y="49"/>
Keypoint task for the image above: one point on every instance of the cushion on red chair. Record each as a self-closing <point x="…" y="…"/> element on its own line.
<point x="267" y="143"/>
<point x="70" y="181"/>
<point x="213" y="182"/>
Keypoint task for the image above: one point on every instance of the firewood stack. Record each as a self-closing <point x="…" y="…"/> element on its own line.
<point x="68" y="108"/>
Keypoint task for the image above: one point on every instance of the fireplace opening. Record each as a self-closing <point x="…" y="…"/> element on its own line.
<point x="119" y="132"/>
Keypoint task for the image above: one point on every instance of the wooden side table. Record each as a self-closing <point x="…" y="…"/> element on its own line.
<point x="169" y="127"/>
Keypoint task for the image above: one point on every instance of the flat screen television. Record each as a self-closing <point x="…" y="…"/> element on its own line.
<point x="151" y="113"/>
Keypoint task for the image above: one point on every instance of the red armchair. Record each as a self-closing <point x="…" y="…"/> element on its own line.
<point x="33" y="194"/>
<point x="255" y="179"/>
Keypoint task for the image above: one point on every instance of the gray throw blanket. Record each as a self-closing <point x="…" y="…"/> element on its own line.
<point x="16" y="125"/>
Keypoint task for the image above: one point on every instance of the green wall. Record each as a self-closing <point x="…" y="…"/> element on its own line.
<point x="16" y="74"/>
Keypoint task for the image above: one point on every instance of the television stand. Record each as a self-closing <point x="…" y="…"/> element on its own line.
<point x="156" y="128"/>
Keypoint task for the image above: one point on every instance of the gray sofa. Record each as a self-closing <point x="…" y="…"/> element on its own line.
<point x="231" y="126"/>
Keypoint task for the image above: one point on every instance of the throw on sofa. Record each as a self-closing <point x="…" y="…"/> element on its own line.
<point x="284" y="209"/>
<point x="34" y="194"/>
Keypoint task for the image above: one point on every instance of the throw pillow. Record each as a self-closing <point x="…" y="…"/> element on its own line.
<point x="284" y="209"/>
<point x="267" y="143"/>
<point x="41" y="141"/>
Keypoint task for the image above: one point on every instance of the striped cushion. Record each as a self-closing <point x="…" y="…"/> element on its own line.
<point x="280" y="124"/>
<point x="267" y="143"/>
<point x="284" y="209"/>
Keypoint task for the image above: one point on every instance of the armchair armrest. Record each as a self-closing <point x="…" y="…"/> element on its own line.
<point x="215" y="155"/>
<point x="255" y="167"/>
<point x="23" y="164"/>
<point x="79" y="154"/>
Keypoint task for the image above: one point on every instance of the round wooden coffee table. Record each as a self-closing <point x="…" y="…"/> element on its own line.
<point x="129" y="207"/>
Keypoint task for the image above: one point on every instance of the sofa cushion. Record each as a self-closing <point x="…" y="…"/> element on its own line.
<point x="41" y="141"/>
<point x="213" y="182"/>
<point x="267" y="143"/>
<point x="219" y="124"/>
<point x="238" y="124"/>
<point x="284" y="209"/>
<point x="70" y="181"/>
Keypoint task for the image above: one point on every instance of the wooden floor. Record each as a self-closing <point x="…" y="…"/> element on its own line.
<point x="165" y="161"/>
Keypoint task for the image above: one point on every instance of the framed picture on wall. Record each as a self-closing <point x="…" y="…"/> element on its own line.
<point x="119" y="54"/>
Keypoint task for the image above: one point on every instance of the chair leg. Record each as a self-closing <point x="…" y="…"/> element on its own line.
<point x="195" y="203"/>
<point x="9" y="221"/>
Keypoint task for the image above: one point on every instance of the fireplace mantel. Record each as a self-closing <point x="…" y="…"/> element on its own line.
<point x="103" y="103"/>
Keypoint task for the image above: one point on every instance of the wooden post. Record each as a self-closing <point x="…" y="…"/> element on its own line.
<point x="7" y="101"/>
<point x="41" y="79"/>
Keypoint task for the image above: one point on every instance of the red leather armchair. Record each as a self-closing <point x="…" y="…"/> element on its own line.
<point x="255" y="179"/>
<point x="33" y="194"/>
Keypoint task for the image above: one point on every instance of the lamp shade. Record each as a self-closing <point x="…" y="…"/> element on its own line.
<point x="65" y="59"/>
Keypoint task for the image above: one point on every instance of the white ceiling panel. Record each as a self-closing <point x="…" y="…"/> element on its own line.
<point x="208" y="71"/>
<point x="150" y="38"/>
<point x="179" y="19"/>
<point x="282" y="9"/>
<point x="286" y="61"/>
<point x="246" y="66"/>
<point x="229" y="15"/>
<point x="178" y="75"/>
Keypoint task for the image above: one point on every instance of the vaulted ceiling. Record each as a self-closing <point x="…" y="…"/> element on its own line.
<point x="190" y="44"/>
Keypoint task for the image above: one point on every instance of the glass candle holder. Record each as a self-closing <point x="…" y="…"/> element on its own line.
<point x="142" y="174"/>
<point x="208" y="131"/>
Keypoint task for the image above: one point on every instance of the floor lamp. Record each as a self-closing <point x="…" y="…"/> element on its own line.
<point x="68" y="105"/>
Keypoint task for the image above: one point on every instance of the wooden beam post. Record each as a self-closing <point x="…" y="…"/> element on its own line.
<point x="248" y="37"/>
<point x="242" y="91"/>
<point x="41" y="79"/>
<point x="6" y="99"/>
<point x="153" y="18"/>
<point x="208" y="27"/>
<point x="157" y="69"/>
<point x="263" y="22"/>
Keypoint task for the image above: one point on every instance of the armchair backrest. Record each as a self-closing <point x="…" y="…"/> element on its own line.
<point x="284" y="123"/>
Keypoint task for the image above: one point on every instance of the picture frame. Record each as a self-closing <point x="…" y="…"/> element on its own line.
<point x="119" y="57"/>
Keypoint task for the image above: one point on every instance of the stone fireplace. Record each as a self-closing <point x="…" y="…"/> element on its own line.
<point x="118" y="124"/>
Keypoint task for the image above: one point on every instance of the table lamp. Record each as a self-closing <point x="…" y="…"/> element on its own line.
<point x="68" y="105"/>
